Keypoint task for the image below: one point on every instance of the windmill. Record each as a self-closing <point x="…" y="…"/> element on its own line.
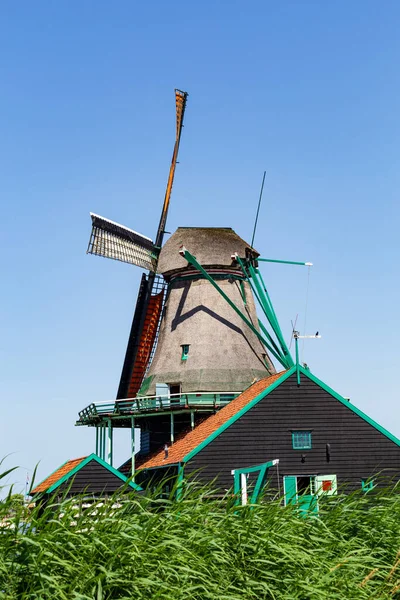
<point x="115" y="241"/>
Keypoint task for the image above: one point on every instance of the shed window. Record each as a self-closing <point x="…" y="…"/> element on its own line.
<point x="301" y="440"/>
<point x="185" y="351"/>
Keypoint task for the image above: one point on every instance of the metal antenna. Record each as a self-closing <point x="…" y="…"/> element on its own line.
<point x="293" y="330"/>
<point x="258" y="209"/>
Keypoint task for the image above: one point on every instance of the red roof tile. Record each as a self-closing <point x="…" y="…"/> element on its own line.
<point x="58" y="474"/>
<point x="187" y="442"/>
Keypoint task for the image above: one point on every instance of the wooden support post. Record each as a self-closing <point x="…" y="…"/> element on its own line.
<point x="100" y="453"/>
<point x="110" y="443"/>
<point x="192" y="419"/>
<point x="103" y="445"/>
<point x="297" y="361"/>
<point x="133" y="447"/>
<point x="172" y="428"/>
<point x="97" y="440"/>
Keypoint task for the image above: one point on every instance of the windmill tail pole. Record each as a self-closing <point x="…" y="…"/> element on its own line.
<point x="180" y="98"/>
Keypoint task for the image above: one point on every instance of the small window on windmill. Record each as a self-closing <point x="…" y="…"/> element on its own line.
<point x="185" y="351"/>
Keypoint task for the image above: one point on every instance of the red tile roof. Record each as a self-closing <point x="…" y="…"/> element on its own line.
<point x="187" y="442"/>
<point x="58" y="474"/>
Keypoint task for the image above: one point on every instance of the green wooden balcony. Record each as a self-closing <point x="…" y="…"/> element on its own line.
<point x="152" y="405"/>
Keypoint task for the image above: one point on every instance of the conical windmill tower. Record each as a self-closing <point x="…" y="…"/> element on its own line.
<point x="195" y="341"/>
<point x="204" y="345"/>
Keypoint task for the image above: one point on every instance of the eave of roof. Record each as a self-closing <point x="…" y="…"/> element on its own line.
<point x="59" y="473"/>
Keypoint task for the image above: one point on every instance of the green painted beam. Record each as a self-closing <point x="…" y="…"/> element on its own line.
<point x="273" y="343"/>
<point x="269" y="312"/>
<point x="133" y="468"/>
<point x="260" y="483"/>
<point x="110" y="443"/>
<point x="192" y="260"/>
<point x="181" y="474"/>
<point x="267" y="307"/>
<point x="285" y="262"/>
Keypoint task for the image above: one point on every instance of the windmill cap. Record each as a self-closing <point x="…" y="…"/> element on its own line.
<point x="212" y="247"/>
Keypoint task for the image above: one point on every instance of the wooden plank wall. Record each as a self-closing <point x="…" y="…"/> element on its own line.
<point x="357" y="449"/>
<point x="93" y="478"/>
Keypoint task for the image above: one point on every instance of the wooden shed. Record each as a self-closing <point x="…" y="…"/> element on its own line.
<point x="89" y="475"/>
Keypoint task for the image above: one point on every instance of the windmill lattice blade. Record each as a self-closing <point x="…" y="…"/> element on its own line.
<point x="180" y="99"/>
<point x="141" y="343"/>
<point x="112" y="240"/>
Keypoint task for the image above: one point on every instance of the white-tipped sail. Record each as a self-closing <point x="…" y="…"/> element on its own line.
<point x="112" y="240"/>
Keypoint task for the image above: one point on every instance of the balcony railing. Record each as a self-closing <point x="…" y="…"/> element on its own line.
<point x="153" y="404"/>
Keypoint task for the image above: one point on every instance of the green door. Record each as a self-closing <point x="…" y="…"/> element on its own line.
<point x="290" y="489"/>
<point x="307" y="504"/>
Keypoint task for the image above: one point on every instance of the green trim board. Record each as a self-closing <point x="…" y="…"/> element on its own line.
<point x="285" y="361"/>
<point x="270" y="389"/>
<point x="84" y="463"/>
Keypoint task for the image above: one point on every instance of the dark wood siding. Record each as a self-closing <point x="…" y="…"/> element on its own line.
<point x="93" y="478"/>
<point x="357" y="449"/>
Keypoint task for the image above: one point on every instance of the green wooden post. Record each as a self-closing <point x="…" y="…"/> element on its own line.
<point x="100" y="426"/>
<point x="110" y="443"/>
<point x="297" y="361"/>
<point x="172" y="428"/>
<point x="133" y="447"/>
<point x="103" y="445"/>
<point x="97" y="440"/>
<point x="180" y="481"/>
<point x="192" y="419"/>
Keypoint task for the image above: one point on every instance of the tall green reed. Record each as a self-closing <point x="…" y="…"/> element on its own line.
<point x="199" y="548"/>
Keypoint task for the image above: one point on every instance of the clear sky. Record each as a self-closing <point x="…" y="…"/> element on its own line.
<point x="308" y="91"/>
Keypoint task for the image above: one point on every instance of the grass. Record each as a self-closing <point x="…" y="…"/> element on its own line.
<point x="201" y="549"/>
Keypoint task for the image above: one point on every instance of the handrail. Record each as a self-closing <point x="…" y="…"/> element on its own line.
<point x="156" y="403"/>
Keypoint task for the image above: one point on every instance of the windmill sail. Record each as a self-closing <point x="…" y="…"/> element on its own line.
<point x="145" y="325"/>
<point x="140" y="347"/>
<point x="112" y="240"/>
<point x="180" y="101"/>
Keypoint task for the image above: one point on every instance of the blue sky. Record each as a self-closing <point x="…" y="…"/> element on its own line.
<point x="308" y="91"/>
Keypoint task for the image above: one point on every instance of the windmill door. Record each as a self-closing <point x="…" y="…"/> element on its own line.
<point x="174" y="393"/>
